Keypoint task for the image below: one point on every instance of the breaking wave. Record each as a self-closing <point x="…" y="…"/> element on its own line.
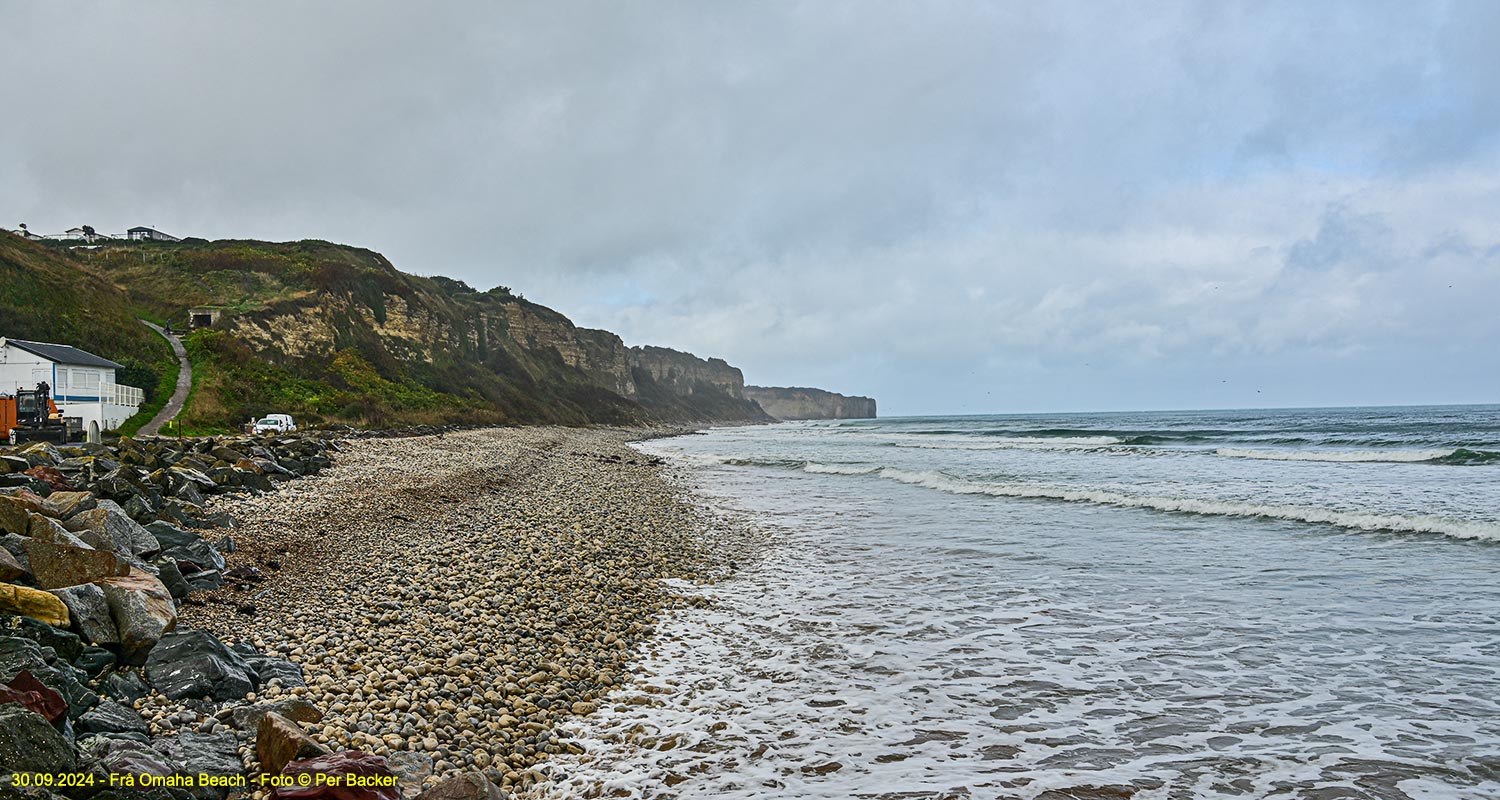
<point x="1355" y="520"/>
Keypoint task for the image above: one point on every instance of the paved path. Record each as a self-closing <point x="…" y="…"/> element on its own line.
<point x="184" y="384"/>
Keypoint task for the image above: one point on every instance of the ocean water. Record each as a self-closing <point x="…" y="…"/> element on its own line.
<point x="1290" y="603"/>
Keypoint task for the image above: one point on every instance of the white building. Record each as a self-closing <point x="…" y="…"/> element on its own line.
<point x="83" y="233"/>
<point x="83" y="384"/>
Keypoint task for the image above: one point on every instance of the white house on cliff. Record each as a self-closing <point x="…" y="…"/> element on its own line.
<point x="83" y="384"/>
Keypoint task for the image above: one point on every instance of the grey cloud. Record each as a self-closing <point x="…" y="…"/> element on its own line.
<point x="947" y="205"/>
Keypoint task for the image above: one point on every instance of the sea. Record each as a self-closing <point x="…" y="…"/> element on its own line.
<point x="1293" y="603"/>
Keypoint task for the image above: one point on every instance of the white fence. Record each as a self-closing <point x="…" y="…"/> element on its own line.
<point x="122" y="395"/>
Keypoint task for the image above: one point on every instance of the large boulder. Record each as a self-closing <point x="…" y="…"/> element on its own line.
<point x="142" y="610"/>
<point x="184" y="545"/>
<point x="116" y="529"/>
<point x="57" y="565"/>
<point x="29" y="743"/>
<point x="47" y="529"/>
<point x="372" y="778"/>
<point x="89" y="612"/>
<point x="279" y="741"/>
<point x="110" y="718"/>
<point x="65" y="504"/>
<point x="25" y="601"/>
<point x="194" y="663"/>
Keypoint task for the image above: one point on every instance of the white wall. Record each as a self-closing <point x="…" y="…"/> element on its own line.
<point x="21" y="370"/>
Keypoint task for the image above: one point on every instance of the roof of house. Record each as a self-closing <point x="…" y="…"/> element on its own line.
<point x="63" y="354"/>
<point x="142" y="228"/>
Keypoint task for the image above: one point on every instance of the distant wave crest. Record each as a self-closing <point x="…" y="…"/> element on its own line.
<point x="1459" y="457"/>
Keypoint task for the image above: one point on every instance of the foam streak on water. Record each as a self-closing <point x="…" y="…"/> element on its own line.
<point x="904" y="639"/>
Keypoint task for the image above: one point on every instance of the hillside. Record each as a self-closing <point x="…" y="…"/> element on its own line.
<point x="45" y="295"/>
<point x="336" y="334"/>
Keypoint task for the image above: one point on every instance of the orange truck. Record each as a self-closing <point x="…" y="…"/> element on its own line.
<point x="30" y="416"/>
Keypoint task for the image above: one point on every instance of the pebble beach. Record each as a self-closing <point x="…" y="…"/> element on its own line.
<point x="451" y="599"/>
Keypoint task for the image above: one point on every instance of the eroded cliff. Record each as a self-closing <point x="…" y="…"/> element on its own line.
<point x="788" y="403"/>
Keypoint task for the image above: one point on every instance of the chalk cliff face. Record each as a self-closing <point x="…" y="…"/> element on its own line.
<point x="685" y="373"/>
<point x="685" y="386"/>
<point x="804" y="403"/>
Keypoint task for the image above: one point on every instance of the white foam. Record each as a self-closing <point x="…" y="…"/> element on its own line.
<point x="838" y="469"/>
<point x="1008" y="443"/>
<point x="1351" y="456"/>
<point x="1410" y="523"/>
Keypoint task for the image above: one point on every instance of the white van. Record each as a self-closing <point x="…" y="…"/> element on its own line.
<point x="275" y="423"/>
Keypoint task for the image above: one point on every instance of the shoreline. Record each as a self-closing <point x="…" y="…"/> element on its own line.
<point x="453" y="598"/>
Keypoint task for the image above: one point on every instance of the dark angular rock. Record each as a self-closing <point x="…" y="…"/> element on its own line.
<point x="215" y="754"/>
<point x="110" y="718"/>
<point x="216" y="519"/>
<point x="268" y="667"/>
<point x="184" y="545"/>
<point x="190" y="493"/>
<point x="245" y="574"/>
<point x="194" y="663"/>
<point x="67" y="645"/>
<point x="205" y="581"/>
<point x="124" y="686"/>
<point x="15" y="545"/>
<point x="95" y="661"/>
<point x="29" y="743"/>
<point x="171" y="577"/>
<point x="141" y="507"/>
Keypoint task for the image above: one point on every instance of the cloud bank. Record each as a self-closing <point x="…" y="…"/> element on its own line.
<point x="955" y="207"/>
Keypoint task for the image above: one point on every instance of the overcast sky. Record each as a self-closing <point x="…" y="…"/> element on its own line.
<point x="953" y="207"/>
